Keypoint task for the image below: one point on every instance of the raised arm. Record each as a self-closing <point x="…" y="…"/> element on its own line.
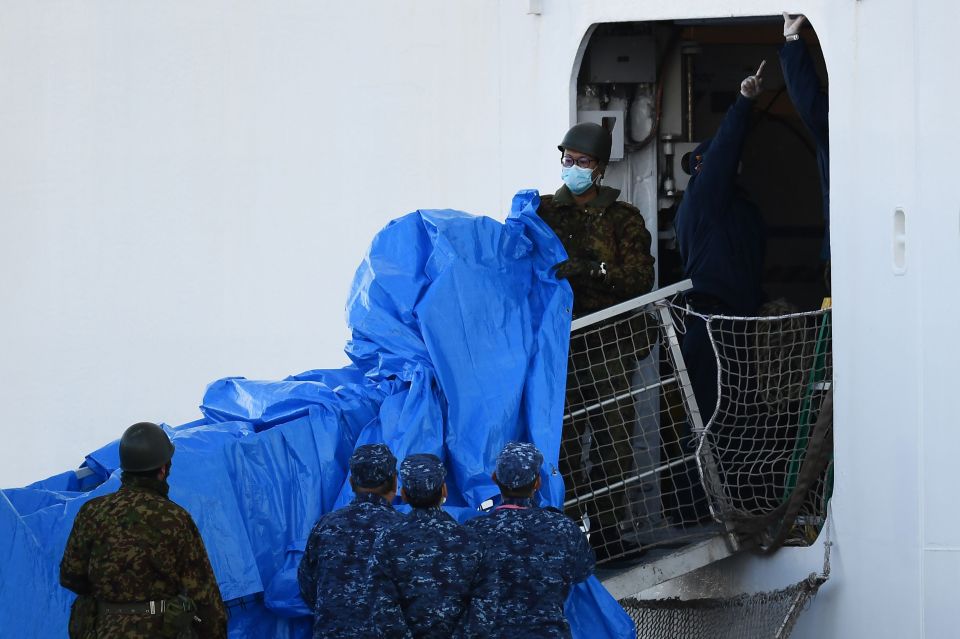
<point x="716" y="174"/>
<point x="803" y="84"/>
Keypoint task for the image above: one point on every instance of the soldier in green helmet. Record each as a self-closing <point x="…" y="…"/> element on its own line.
<point x="608" y="262"/>
<point x="136" y="559"/>
<point x="607" y="243"/>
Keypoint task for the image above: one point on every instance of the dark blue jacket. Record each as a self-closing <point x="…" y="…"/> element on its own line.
<point x="534" y="556"/>
<point x="334" y="573"/>
<point x="812" y="105"/>
<point x="719" y="232"/>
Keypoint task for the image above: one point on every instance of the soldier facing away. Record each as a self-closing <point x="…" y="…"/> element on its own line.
<point x="334" y="573"/>
<point x="609" y="262"/>
<point x="534" y="555"/>
<point x="136" y="559"/>
<point x="427" y="569"/>
<point x="722" y="242"/>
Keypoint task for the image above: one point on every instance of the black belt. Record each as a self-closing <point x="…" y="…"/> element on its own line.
<point x="135" y="608"/>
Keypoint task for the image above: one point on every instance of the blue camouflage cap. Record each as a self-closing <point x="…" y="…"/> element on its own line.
<point x="518" y="465"/>
<point x="372" y="464"/>
<point x="422" y="475"/>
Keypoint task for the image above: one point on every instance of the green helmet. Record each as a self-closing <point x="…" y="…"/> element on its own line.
<point x="589" y="138"/>
<point x="144" y="446"/>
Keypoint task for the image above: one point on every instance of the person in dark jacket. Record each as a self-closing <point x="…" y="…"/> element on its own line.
<point x="722" y="245"/>
<point x="334" y="574"/>
<point x="427" y="568"/>
<point x="812" y="104"/>
<point x="534" y="555"/>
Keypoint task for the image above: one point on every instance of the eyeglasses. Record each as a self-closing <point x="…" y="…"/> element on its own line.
<point x="584" y="162"/>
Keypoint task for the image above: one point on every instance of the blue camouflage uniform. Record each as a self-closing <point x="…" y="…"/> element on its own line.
<point x="334" y="573"/>
<point x="426" y="568"/>
<point x="534" y="555"/>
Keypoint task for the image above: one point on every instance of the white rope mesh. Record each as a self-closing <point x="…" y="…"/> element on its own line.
<point x="640" y="468"/>
<point x="628" y="461"/>
<point x="764" y="615"/>
<point x="647" y="463"/>
<point x="760" y="615"/>
<point x="773" y="374"/>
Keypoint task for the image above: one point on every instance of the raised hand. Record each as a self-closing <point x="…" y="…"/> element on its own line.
<point x="791" y="26"/>
<point x="752" y="85"/>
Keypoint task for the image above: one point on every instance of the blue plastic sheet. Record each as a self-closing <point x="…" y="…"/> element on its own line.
<point x="459" y="343"/>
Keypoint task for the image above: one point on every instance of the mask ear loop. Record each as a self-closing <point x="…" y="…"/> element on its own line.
<point x="598" y="177"/>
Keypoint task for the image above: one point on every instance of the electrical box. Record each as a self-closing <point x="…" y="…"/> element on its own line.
<point x="622" y="59"/>
<point x="680" y="177"/>
<point x="612" y="121"/>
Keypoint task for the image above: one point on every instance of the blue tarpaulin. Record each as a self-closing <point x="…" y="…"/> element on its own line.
<point x="459" y="344"/>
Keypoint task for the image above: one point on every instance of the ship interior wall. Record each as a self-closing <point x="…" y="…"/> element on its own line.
<point x="663" y="87"/>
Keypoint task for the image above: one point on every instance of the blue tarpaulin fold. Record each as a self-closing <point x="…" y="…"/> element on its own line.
<point x="459" y="344"/>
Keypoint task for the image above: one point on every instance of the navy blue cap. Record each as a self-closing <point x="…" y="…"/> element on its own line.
<point x="422" y="475"/>
<point x="372" y="464"/>
<point x="518" y="465"/>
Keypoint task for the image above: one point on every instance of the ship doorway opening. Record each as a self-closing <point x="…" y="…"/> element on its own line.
<point x="697" y="467"/>
<point x="665" y="87"/>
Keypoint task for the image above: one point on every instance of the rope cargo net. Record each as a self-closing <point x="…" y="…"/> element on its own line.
<point x="644" y="469"/>
<point x="628" y="457"/>
<point x="764" y="615"/>
<point x="770" y="438"/>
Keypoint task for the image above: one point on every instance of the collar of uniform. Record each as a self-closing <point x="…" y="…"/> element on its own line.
<point x="605" y="197"/>
<point x="430" y="514"/>
<point x="370" y="498"/>
<point x="151" y="484"/>
<point x="522" y="502"/>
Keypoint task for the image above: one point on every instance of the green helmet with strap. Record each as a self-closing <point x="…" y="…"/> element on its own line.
<point x="145" y="446"/>
<point x="589" y="138"/>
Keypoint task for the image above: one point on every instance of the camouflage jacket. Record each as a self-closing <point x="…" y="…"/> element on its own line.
<point x="334" y="573"/>
<point x="136" y="545"/>
<point x="534" y="555"/>
<point x="425" y="571"/>
<point x="607" y="231"/>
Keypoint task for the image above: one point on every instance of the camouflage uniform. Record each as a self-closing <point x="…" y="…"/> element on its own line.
<point x="534" y="556"/>
<point x="334" y="573"/>
<point x="604" y="230"/>
<point x="135" y="545"/>
<point x="596" y="448"/>
<point x="426" y="569"/>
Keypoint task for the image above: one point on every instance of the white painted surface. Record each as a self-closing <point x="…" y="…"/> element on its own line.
<point x="187" y="187"/>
